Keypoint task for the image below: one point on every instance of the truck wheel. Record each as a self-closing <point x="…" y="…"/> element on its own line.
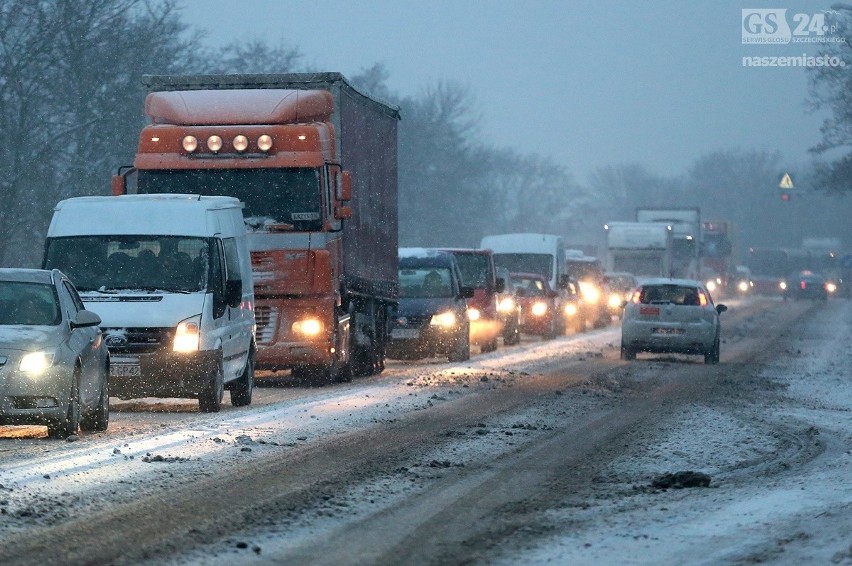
<point x="242" y="388"/>
<point x="63" y="428"/>
<point x="98" y="419"/>
<point x="210" y="397"/>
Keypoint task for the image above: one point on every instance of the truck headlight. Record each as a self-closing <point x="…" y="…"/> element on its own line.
<point x="309" y="327"/>
<point x="187" y="335"/>
<point x="444" y="319"/>
<point x="539" y="308"/>
<point x="36" y="362"/>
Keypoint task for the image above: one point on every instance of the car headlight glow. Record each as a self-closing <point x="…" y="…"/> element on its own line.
<point x="591" y="293"/>
<point x="473" y="314"/>
<point x="506" y="305"/>
<point x="308" y="327"/>
<point x="444" y="320"/>
<point x="187" y="335"/>
<point x="36" y="362"/>
<point x="742" y="286"/>
<point x="711" y="285"/>
<point x="831" y="287"/>
<point x="539" y="308"/>
<point x="615" y="301"/>
<point x="783" y="285"/>
<point x="571" y="309"/>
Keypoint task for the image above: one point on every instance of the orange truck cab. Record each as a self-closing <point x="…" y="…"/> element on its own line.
<point x="314" y="160"/>
<point x="478" y="271"/>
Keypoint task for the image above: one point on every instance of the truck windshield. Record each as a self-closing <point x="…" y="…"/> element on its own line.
<point x="526" y="263"/>
<point x="132" y="263"/>
<point x="271" y="196"/>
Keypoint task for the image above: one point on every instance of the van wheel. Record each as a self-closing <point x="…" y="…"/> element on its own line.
<point x="210" y="397"/>
<point x="242" y="388"/>
<point x="64" y="428"/>
<point x="98" y="419"/>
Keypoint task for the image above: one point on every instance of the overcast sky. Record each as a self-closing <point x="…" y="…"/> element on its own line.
<point x="587" y="83"/>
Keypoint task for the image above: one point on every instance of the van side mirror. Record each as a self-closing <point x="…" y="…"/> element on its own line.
<point x="234" y="292"/>
<point x="500" y="285"/>
<point x="85" y="319"/>
<point x="466" y="292"/>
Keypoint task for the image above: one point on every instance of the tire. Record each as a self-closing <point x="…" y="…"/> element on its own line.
<point x="489" y="347"/>
<point x="210" y="397"/>
<point x="243" y="388"/>
<point x="512" y="336"/>
<point x="64" y="428"/>
<point x="712" y="357"/>
<point x="551" y="332"/>
<point x="461" y="351"/>
<point x="627" y="354"/>
<point x="97" y="420"/>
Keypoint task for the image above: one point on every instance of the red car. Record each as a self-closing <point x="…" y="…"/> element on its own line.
<point x="478" y="271"/>
<point x="539" y="305"/>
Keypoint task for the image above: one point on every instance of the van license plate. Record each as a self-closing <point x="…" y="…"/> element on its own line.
<point x="125" y="370"/>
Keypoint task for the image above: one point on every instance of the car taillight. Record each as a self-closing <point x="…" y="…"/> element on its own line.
<point x="802" y="285"/>
<point x="636" y="295"/>
<point x="702" y="299"/>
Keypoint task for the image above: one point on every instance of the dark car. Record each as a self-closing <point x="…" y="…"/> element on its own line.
<point x="432" y="316"/>
<point x="573" y="306"/>
<point x="55" y="364"/>
<point x="806" y="285"/>
<point x="588" y="272"/>
<point x="478" y="271"/>
<point x="509" y="308"/>
<point x="539" y="305"/>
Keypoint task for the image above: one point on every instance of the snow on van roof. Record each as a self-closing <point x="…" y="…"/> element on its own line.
<point x="420" y="252"/>
<point x="178" y="215"/>
<point x="525" y="242"/>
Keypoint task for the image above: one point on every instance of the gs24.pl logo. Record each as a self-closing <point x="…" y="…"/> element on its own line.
<point x="770" y="26"/>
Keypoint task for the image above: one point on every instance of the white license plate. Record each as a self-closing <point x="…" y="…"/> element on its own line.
<point x="125" y="370"/>
<point x="668" y="331"/>
<point x="405" y="333"/>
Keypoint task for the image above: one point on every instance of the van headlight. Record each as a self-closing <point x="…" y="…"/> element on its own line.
<point x="444" y="320"/>
<point x="309" y="327"/>
<point x="36" y="363"/>
<point x="187" y="335"/>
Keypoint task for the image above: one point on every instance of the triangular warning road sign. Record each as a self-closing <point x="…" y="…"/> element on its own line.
<point x="786" y="182"/>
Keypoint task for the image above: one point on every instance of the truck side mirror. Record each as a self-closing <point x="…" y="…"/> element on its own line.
<point x="118" y="186"/>
<point x="234" y="292"/>
<point x="346" y="186"/>
<point x="500" y="285"/>
<point x="342" y="212"/>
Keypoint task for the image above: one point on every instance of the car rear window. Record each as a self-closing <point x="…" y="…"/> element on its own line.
<point x="671" y="294"/>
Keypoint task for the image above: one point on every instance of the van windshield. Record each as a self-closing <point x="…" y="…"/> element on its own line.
<point x="132" y="263"/>
<point x="526" y="263"/>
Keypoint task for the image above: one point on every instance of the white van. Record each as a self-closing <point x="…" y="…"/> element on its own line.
<point x="529" y="253"/>
<point x="170" y="277"/>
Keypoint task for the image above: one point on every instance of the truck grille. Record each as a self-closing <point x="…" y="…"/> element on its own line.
<point x="137" y="340"/>
<point x="266" y="319"/>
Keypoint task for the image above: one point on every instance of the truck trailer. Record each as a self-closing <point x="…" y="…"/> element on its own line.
<point x="686" y="236"/>
<point x="644" y="249"/>
<point x="314" y="159"/>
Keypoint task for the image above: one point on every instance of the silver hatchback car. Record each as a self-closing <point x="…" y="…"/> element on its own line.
<point x="671" y="316"/>
<point x="53" y="360"/>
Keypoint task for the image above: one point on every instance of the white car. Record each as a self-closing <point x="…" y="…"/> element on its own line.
<point x="671" y="316"/>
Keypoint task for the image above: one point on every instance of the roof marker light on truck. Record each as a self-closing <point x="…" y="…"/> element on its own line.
<point x="264" y="142"/>
<point x="214" y="143"/>
<point x="190" y="144"/>
<point x="240" y="143"/>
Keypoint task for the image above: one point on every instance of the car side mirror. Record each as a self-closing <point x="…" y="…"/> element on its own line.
<point x="721" y="308"/>
<point x="500" y="285"/>
<point x="466" y="292"/>
<point x="85" y="319"/>
<point x="234" y="292"/>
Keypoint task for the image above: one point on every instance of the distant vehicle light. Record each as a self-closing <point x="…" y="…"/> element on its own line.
<point x="831" y="287"/>
<point x="571" y="309"/>
<point x="742" y="286"/>
<point x="473" y="314"/>
<point x="264" y="142"/>
<point x="190" y="143"/>
<point x="711" y="285"/>
<point x="615" y="300"/>
<point x="591" y="292"/>
<point x="539" y="308"/>
<point x="240" y="143"/>
<point x="214" y="143"/>
<point x="783" y="285"/>
<point x="506" y="305"/>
